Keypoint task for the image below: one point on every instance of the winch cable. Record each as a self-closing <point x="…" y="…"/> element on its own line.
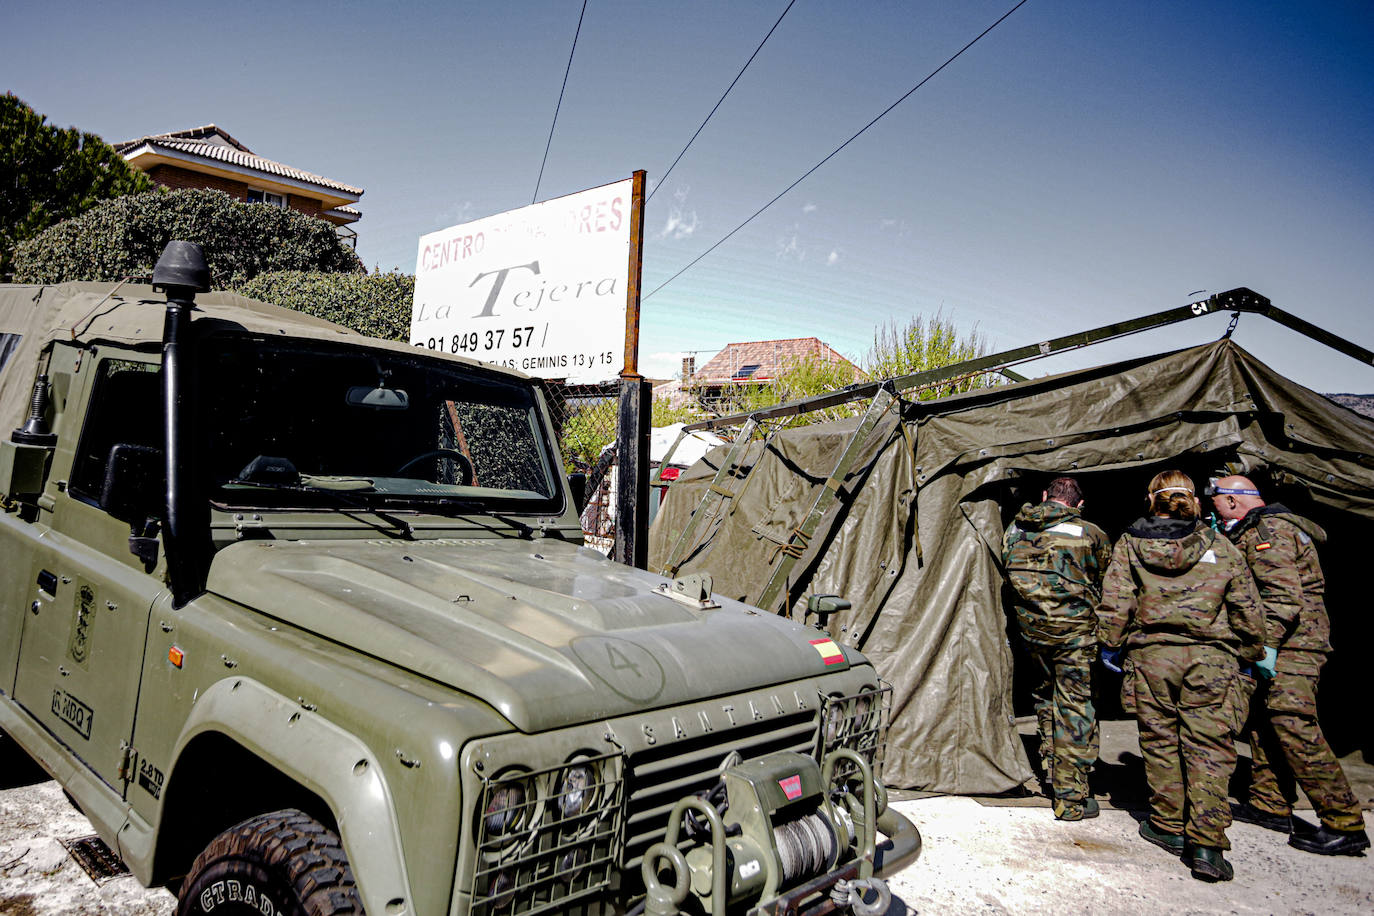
<point x="806" y="845"/>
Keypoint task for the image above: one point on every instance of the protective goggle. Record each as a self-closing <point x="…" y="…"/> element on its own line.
<point x="1214" y="490"/>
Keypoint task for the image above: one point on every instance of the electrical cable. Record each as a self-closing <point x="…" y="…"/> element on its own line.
<point x="717" y="105"/>
<point x="556" y="108"/>
<point x="837" y="150"/>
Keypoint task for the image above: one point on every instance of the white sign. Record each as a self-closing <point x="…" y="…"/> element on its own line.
<point x="540" y="289"/>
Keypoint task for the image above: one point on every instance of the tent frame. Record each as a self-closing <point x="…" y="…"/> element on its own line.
<point x="887" y="392"/>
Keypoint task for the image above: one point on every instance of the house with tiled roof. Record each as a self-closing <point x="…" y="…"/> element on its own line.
<point x="756" y="362"/>
<point x="208" y="157"/>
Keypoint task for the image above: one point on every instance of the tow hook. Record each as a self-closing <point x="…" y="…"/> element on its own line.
<point x="851" y="894"/>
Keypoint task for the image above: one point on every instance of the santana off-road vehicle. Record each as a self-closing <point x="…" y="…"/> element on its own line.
<point x="303" y="623"/>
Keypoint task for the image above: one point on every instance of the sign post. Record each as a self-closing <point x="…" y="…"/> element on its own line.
<point x="635" y="414"/>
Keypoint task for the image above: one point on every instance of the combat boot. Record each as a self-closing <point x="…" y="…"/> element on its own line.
<point x="1279" y="823"/>
<point x="1169" y="842"/>
<point x="1076" y="811"/>
<point x="1207" y="863"/>
<point x="1327" y="842"/>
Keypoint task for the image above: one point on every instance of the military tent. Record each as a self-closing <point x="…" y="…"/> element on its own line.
<point x="913" y="537"/>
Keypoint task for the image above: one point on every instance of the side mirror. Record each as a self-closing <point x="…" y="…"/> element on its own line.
<point x="825" y="605"/>
<point x="134" y="488"/>
<point x="577" y="482"/>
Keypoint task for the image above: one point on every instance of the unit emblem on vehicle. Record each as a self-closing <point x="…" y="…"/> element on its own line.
<point x="627" y="668"/>
<point x="83" y="620"/>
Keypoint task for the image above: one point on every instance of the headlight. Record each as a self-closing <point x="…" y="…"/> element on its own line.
<point x="506" y="808"/>
<point x="546" y="837"/>
<point x="857" y="721"/>
<point x="576" y="790"/>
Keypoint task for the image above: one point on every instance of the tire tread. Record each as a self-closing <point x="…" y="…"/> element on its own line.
<point x="304" y="853"/>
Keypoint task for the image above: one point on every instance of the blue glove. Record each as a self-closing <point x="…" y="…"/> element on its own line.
<point x="1111" y="659"/>
<point x="1265" y="666"/>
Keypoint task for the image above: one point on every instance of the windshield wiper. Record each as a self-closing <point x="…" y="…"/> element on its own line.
<point x="340" y="497"/>
<point x="435" y="505"/>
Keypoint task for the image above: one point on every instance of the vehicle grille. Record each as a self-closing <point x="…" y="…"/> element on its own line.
<point x="659" y="777"/>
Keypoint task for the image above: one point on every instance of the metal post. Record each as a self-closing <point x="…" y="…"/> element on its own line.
<point x="632" y="474"/>
<point x="635" y="273"/>
<point x="634" y="415"/>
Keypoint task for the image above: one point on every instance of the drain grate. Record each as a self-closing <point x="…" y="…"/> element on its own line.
<point x="95" y="858"/>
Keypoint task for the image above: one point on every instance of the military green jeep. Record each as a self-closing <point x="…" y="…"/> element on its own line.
<point x="303" y="623"/>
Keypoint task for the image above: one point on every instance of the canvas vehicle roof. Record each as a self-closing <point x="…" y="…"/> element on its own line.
<point x="132" y="315"/>
<point x="914" y="538"/>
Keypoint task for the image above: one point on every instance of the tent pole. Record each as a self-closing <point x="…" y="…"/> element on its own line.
<point x="1240" y="299"/>
<point x="798" y="539"/>
<point x="715" y="497"/>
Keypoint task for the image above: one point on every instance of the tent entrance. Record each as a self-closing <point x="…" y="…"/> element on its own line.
<point x="1116" y="498"/>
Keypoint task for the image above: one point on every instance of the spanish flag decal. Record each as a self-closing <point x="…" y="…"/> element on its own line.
<point x="830" y="653"/>
<point x="1265" y="546"/>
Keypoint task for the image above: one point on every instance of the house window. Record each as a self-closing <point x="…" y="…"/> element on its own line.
<point x="266" y="197"/>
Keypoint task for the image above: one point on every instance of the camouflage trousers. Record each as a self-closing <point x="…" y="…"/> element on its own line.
<point x="1068" y="723"/>
<point x="1190" y="704"/>
<point x="1287" y="747"/>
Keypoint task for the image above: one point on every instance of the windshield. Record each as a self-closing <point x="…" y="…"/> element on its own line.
<point x="311" y="425"/>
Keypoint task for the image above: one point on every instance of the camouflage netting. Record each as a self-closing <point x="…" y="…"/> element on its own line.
<point x="913" y="538"/>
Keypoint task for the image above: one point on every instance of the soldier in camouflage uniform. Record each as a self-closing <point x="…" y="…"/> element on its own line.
<point x="1179" y="597"/>
<point x="1286" y="742"/>
<point x="1055" y="560"/>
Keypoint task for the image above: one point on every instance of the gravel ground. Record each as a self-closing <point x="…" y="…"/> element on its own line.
<point x="979" y="859"/>
<point x="976" y="859"/>
<point x="39" y="878"/>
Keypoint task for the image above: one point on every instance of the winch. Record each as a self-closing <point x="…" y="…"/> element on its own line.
<point x="779" y="828"/>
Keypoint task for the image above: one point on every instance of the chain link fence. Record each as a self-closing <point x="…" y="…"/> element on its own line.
<point x="585" y="418"/>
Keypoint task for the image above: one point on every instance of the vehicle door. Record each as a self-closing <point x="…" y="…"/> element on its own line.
<point x="82" y="644"/>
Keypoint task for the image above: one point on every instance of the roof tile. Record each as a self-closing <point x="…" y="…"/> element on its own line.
<point x="763" y="360"/>
<point x="192" y="142"/>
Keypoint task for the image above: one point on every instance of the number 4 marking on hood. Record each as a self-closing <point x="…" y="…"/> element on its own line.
<point x="620" y="661"/>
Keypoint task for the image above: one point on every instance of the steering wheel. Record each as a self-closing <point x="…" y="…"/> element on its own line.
<point x="465" y="471"/>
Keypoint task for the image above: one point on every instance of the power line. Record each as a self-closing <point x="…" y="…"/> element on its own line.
<point x="540" y="179"/>
<point x="717" y="105"/>
<point x="836" y="152"/>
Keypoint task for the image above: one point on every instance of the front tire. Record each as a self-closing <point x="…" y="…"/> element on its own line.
<point x="284" y="863"/>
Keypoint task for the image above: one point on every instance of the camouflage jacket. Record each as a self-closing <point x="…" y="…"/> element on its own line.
<point x="1054" y="560"/>
<point x="1281" y="549"/>
<point x="1180" y="583"/>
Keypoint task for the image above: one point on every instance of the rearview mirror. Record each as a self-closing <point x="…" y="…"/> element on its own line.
<point x="379" y="398"/>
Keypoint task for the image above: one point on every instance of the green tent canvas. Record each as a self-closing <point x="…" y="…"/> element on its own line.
<point x="913" y="538"/>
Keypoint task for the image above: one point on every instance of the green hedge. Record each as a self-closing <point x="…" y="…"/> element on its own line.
<point x="123" y="237"/>
<point x="377" y="305"/>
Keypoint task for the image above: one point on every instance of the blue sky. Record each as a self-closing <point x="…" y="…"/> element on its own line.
<point x="1084" y="163"/>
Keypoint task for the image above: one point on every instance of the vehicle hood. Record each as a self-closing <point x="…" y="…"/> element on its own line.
<point x="547" y="633"/>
